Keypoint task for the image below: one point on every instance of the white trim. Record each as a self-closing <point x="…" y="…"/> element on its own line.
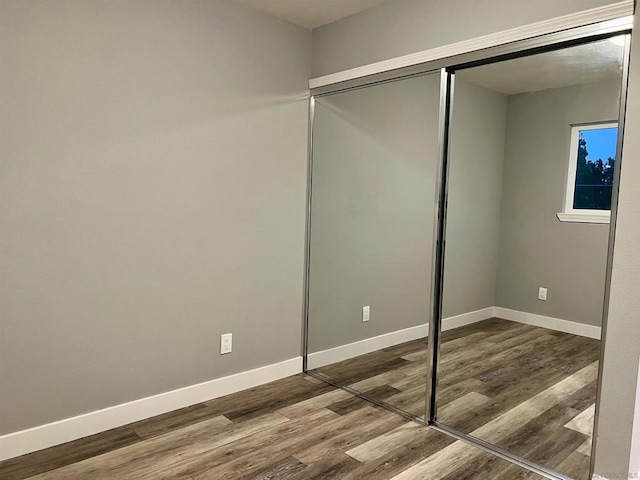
<point x="576" y="217"/>
<point x="613" y="11"/>
<point x="551" y="323"/>
<point x="368" y="345"/>
<point x="44" y="436"/>
<point x="468" y="318"/>
<point x="632" y="476"/>
<point x="570" y="214"/>
<point x="48" y="435"/>
<point x="634" y="463"/>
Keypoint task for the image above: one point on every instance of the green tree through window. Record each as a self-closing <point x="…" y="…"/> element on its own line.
<point x="594" y="178"/>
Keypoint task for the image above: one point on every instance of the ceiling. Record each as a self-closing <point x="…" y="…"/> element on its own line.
<point x="588" y="63"/>
<point x="310" y="13"/>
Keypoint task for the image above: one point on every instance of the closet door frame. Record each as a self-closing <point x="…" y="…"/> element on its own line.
<point x="435" y="324"/>
<point x="448" y="66"/>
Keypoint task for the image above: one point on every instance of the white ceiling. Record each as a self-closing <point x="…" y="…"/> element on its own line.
<point x="311" y="13"/>
<point x="577" y="65"/>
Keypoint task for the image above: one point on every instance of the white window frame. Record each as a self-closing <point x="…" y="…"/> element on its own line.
<point x="581" y="215"/>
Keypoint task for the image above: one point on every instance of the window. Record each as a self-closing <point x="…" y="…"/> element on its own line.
<point x="590" y="177"/>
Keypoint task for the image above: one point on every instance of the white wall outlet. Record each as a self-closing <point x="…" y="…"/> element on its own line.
<point x="366" y="312"/>
<point x="542" y="294"/>
<point x="226" y="342"/>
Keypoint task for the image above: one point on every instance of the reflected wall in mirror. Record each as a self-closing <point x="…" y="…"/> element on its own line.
<point x="532" y="157"/>
<point x="375" y="155"/>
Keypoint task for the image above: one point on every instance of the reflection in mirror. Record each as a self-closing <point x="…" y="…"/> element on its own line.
<point x="533" y="148"/>
<point x="375" y="152"/>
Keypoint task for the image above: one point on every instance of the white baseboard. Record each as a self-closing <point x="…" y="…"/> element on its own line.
<point x="48" y="435"/>
<point x="633" y="475"/>
<point x="468" y="318"/>
<point x="361" y="347"/>
<point x="551" y="323"/>
<point x="368" y="345"/>
<point x="634" y="462"/>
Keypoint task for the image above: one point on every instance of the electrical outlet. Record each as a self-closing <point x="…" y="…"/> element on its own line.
<point x="226" y="342"/>
<point x="366" y="311"/>
<point x="542" y="294"/>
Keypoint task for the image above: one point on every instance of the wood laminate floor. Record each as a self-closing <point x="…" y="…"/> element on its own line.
<point x="302" y="428"/>
<point x="295" y="428"/>
<point x="528" y="390"/>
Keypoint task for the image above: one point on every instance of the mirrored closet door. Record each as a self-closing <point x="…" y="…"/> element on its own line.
<point x="375" y="156"/>
<point x="532" y="162"/>
<point x="461" y="224"/>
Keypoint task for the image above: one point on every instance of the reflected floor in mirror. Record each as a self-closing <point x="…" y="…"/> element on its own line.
<point x="526" y="389"/>
<point x="394" y="375"/>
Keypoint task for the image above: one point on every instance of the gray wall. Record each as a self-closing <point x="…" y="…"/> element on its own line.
<point x="536" y="249"/>
<point x="375" y="156"/>
<point x="622" y="342"/>
<point x="107" y="304"/>
<point x="152" y="192"/>
<point x="475" y="191"/>
<point x="400" y="27"/>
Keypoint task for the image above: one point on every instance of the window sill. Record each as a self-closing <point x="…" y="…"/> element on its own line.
<point x="584" y="217"/>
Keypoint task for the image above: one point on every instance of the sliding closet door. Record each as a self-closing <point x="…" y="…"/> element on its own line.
<point x="531" y="184"/>
<point x="375" y="156"/>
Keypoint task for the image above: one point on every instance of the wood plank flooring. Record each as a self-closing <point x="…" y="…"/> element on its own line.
<point x="526" y="389"/>
<point x="302" y="428"/>
<point x="295" y="428"/>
